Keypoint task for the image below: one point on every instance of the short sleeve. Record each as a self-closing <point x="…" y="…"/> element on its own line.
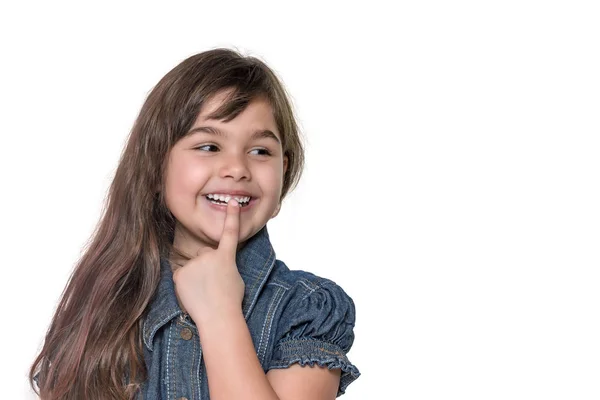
<point x="318" y="328"/>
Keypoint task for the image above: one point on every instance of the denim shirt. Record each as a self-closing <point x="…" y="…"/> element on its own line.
<point x="292" y="316"/>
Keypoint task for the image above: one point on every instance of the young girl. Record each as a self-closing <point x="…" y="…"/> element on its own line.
<point x="179" y="294"/>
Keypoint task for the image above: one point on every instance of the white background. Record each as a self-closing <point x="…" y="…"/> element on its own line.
<point x="451" y="185"/>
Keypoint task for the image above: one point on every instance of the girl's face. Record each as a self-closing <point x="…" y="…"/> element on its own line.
<point x="244" y="154"/>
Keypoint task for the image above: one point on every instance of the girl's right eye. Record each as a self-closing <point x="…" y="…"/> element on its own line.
<point x="206" y="145"/>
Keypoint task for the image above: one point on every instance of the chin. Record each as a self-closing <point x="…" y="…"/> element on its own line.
<point x="214" y="236"/>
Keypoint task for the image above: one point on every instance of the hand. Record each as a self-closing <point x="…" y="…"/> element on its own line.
<point x="210" y="284"/>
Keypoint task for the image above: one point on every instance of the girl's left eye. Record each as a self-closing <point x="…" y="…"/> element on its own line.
<point x="266" y="152"/>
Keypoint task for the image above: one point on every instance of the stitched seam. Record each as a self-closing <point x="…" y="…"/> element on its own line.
<point x="279" y="285"/>
<point x="169" y="359"/>
<point x="292" y="346"/>
<point x="155" y="326"/>
<point x="262" y="270"/>
<point x="269" y="321"/>
<point x="266" y="321"/>
<point x="311" y="290"/>
<point x="192" y="369"/>
<point x="175" y="367"/>
<point x="306" y="285"/>
<point x="256" y="281"/>
<point x="337" y="353"/>
<point x="274" y="280"/>
<point x="249" y="304"/>
<point x="198" y="369"/>
<point x="295" y="345"/>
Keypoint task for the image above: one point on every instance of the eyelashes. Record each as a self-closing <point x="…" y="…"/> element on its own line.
<point x="266" y="152"/>
<point x="206" y="145"/>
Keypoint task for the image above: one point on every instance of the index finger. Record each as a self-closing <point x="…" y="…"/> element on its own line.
<point x="231" y="228"/>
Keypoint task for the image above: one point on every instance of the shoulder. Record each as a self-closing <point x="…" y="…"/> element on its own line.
<point x="306" y="288"/>
<point x="315" y="323"/>
<point x="301" y="283"/>
<point x="313" y="308"/>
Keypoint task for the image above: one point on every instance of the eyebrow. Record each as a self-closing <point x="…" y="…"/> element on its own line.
<point x="258" y="134"/>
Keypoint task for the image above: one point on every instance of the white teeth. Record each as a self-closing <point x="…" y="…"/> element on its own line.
<point x="225" y="198"/>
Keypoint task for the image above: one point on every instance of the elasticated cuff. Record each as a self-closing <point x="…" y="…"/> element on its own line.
<point x="307" y="351"/>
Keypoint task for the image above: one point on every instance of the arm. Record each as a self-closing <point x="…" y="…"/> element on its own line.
<point x="211" y="289"/>
<point x="234" y="371"/>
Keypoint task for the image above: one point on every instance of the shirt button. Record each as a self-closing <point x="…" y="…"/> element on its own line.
<point x="186" y="334"/>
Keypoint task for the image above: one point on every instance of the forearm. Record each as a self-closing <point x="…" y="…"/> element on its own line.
<point x="232" y="366"/>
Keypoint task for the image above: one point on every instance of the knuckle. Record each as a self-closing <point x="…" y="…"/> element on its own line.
<point x="230" y="229"/>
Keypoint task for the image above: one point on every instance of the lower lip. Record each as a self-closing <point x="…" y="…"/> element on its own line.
<point x="223" y="207"/>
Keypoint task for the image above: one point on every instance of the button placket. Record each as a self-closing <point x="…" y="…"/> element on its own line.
<point x="185" y="359"/>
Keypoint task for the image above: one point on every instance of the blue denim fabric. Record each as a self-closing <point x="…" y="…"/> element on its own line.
<point x="293" y="317"/>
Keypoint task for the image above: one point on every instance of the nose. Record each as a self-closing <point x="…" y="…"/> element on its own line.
<point x="234" y="166"/>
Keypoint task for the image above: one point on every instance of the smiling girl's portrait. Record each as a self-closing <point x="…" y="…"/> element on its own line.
<point x="180" y="294"/>
<point x="281" y="201"/>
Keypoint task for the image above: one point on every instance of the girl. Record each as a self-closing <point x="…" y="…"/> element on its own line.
<point x="179" y="294"/>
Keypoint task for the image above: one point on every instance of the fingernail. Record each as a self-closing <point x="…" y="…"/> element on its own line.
<point x="234" y="202"/>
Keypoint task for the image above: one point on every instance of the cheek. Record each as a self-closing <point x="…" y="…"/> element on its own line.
<point x="179" y="185"/>
<point x="188" y="174"/>
<point x="271" y="181"/>
<point x="174" y="181"/>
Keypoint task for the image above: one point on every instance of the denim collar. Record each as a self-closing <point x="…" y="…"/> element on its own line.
<point x="254" y="260"/>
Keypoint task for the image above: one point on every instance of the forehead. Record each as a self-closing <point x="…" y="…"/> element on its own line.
<point x="219" y="99"/>
<point x="257" y="116"/>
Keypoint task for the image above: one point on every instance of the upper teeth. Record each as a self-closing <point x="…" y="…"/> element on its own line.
<point x="226" y="198"/>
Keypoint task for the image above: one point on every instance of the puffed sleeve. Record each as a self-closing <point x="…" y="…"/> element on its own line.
<point x="318" y="327"/>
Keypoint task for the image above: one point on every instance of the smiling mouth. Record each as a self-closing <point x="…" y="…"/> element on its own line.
<point x="224" y="202"/>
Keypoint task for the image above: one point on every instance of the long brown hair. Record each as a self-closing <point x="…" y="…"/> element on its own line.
<point x="94" y="339"/>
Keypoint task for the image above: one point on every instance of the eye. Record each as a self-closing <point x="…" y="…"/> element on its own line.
<point x="266" y="152"/>
<point x="204" y="146"/>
